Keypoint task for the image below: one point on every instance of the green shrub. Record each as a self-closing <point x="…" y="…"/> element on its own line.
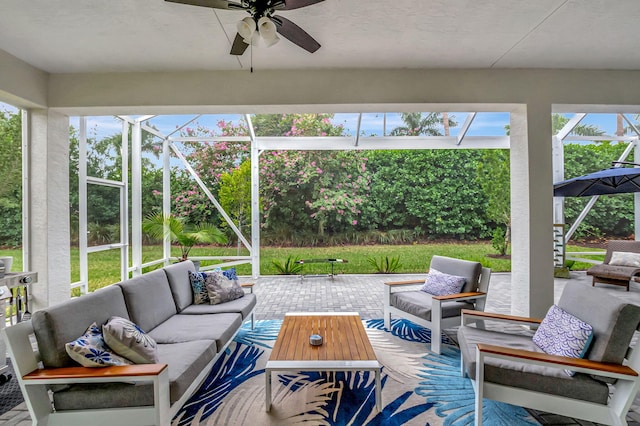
<point x="289" y="266"/>
<point x="385" y="265"/>
<point x="499" y="242"/>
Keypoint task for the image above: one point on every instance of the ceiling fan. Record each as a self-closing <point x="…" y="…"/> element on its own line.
<point x="263" y="22"/>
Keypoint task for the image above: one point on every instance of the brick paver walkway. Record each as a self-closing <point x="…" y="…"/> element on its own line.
<point x="278" y="295"/>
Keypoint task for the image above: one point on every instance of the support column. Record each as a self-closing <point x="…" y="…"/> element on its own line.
<point x="531" y="210"/>
<point x="47" y="189"/>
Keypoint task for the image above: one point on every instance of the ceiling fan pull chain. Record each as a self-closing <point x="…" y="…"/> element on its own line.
<point x="251" y="57"/>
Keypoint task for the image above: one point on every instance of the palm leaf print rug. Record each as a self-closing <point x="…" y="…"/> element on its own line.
<point x="418" y="387"/>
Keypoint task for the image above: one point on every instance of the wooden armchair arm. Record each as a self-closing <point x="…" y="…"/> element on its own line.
<point x="247" y="285"/>
<point x="468" y="313"/>
<point x="401" y="283"/>
<point x="461" y="296"/>
<point x="99" y="374"/>
<point x="577" y="364"/>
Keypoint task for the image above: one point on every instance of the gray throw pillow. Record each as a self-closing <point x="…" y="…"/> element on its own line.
<point x="128" y="340"/>
<point x="221" y="289"/>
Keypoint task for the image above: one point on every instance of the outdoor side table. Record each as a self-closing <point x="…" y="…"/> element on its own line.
<point x="331" y="261"/>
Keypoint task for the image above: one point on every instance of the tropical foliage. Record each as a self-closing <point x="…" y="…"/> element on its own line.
<point x="319" y="197"/>
<point x="183" y="234"/>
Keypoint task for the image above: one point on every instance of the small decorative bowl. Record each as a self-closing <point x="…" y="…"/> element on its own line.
<point x="315" y="340"/>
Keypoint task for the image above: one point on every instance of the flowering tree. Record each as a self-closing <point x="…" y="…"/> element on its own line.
<point x="210" y="160"/>
<point x="313" y="189"/>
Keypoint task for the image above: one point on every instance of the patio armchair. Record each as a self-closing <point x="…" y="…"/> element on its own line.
<point x="621" y="264"/>
<point x="510" y="367"/>
<point x="438" y="312"/>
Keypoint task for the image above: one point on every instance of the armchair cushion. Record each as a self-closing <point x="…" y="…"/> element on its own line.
<point x="464" y="268"/>
<point x="625" y="258"/>
<point x="440" y="284"/>
<point x="561" y="333"/>
<point x="613" y="319"/>
<point x="419" y="303"/>
<point x="528" y="376"/>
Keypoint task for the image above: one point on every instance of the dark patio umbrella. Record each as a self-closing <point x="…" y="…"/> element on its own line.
<point x="616" y="180"/>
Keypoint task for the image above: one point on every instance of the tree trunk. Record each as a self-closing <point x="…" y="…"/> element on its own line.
<point x="619" y="126"/>
<point x="445" y="123"/>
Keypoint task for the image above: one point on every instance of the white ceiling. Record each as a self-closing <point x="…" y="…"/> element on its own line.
<point x="80" y="36"/>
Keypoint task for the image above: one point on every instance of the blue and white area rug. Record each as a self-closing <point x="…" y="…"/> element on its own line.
<point x="418" y="387"/>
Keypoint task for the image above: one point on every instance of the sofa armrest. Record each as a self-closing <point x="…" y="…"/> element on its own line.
<point x="461" y="296"/>
<point x="134" y="373"/>
<point x="617" y="371"/>
<point x="468" y="314"/>
<point x="247" y="285"/>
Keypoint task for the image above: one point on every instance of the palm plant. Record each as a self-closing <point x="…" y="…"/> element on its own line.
<point x="185" y="235"/>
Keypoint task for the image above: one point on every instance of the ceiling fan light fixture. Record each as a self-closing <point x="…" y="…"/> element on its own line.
<point x="268" y="31"/>
<point x="247" y="30"/>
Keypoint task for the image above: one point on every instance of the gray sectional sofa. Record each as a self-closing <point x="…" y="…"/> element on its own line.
<point x="190" y="339"/>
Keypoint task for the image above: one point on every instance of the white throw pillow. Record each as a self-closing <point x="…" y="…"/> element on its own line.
<point x="128" y="340"/>
<point x="625" y="258"/>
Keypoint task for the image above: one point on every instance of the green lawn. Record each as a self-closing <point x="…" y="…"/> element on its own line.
<point x="104" y="266"/>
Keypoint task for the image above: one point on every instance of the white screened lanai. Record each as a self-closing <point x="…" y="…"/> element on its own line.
<point x="369" y="132"/>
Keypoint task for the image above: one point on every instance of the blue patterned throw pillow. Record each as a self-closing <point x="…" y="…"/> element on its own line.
<point x="90" y="350"/>
<point x="441" y="284"/>
<point x="560" y="333"/>
<point x="199" y="287"/>
<point x="231" y="274"/>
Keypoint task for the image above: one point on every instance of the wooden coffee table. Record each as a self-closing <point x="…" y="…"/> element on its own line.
<point x="345" y="347"/>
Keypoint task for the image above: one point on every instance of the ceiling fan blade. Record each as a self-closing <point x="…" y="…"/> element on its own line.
<point x="215" y="4"/>
<point x="239" y="46"/>
<point x="295" y="34"/>
<point x="296" y="4"/>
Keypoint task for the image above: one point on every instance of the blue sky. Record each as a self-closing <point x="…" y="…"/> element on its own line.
<point x="485" y="124"/>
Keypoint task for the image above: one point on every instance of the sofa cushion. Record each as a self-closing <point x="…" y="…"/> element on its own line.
<point x="418" y="303"/>
<point x="126" y="339"/>
<point x="440" y="284"/>
<point x="57" y="325"/>
<point x="517" y="374"/>
<point x="90" y="350"/>
<point x="242" y="306"/>
<point x="185" y="360"/>
<point x="185" y="328"/>
<point x="613" y="320"/>
<point x="469" y="270"/>
<point x="613" y="272"/>
<point x="149" y="299"/>
<point x="178" y="276"/>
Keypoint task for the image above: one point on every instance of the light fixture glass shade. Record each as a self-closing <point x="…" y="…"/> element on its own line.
<point x="268" y="31"/>
<point x="247" y="29"/>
